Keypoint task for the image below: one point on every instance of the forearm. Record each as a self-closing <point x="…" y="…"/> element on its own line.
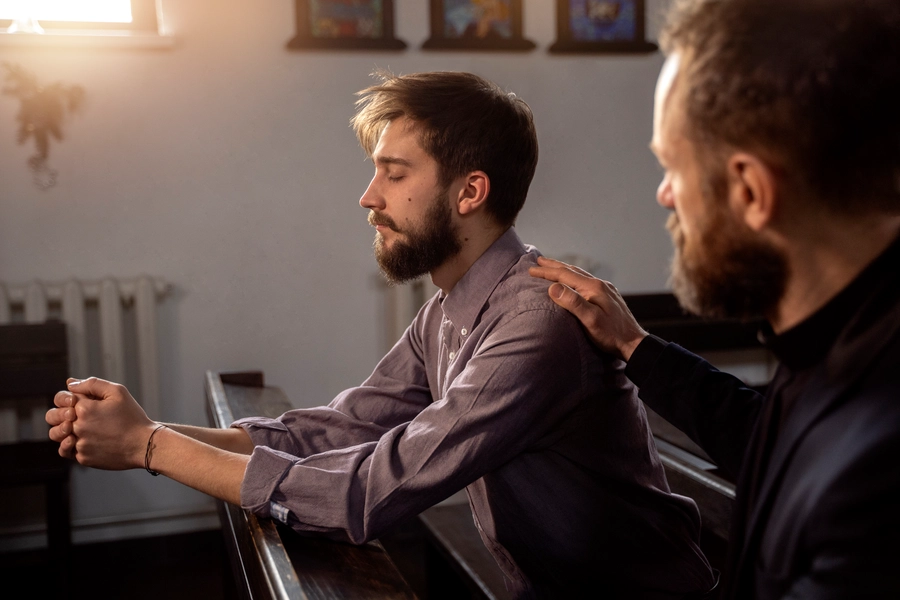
<point x="233" y="439"/>
<point x="487" y="417"/>
<point x="197" y="464"/>
<point x="713" y="408"/>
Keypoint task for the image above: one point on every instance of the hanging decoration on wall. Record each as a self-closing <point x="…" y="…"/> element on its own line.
<point x="477" y="25"/>
<point x="600" y="26"/>
<point x="345" y="24"/>
<point x="42" y="110"/>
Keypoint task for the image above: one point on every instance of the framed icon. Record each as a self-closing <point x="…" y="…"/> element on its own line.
<point x="477" y="25"/>
<point x="345" y="24"/>
<point x="599" y="26"/>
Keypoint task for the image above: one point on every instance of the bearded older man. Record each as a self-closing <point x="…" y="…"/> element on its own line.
<point x="776" y="122"/>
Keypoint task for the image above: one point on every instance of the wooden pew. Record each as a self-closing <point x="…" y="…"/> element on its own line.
<point x="454" y="542"/>
<point x="270" y="561"/>
<point x="661" y="315"/>
<point x="456" y="553"/>
<point x="688" y="468"/>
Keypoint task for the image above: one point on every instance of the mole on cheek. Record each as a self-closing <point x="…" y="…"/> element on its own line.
<point x="409" y="199"/>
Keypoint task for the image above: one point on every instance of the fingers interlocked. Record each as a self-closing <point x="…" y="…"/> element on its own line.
<point x="62" y="422"/>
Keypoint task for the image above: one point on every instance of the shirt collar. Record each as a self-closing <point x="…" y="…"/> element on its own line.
<point x="464" y="302"/>
<point x="808" y="342"/>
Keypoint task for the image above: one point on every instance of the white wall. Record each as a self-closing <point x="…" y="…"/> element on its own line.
<point x="226" y="166"/>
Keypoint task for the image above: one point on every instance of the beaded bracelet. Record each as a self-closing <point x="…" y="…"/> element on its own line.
<point x="149" y="453"/>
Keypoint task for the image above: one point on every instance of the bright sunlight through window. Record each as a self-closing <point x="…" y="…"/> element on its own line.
<point x="90" y="11"/>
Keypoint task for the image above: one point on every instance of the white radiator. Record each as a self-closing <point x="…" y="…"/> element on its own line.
<point x="94" y="312"/>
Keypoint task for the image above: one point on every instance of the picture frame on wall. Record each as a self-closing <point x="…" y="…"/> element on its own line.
<point x="345" y="24"/>
<point x="600" y="26"/>
<point x="477" y="25"/>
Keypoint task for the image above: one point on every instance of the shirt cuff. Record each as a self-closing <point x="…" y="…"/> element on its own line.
<point x="262" y="430"/>
<point x="265" y="472"/>
<point x="644" y="358"/>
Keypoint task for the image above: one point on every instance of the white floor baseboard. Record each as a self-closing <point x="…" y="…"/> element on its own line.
<point x="105" y="529"/>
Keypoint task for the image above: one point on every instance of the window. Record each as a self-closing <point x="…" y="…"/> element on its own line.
<point x="137" y="16"/>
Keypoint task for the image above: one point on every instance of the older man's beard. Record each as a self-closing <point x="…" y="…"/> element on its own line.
<point x="425" y="247"/>
<point x="728" y="271"/>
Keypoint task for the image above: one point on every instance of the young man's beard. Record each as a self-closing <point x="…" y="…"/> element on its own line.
<point x="428" y="246"/>
<point x="728" y="272"/>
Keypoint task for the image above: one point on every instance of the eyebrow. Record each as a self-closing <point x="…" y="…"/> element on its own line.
<point x="392" y="160"/>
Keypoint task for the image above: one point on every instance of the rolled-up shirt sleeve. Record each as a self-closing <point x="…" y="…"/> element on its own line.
<point x="394" y="394"/>
<point x="385" y="450"/>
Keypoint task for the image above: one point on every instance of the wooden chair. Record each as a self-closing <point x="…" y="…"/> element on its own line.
<point x="34" y="365"/>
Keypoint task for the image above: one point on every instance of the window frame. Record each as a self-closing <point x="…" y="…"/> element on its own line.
<point x="143" y="20"/>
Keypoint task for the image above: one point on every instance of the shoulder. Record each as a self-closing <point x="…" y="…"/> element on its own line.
<point x="525" y="293"/>
<point x="520" y="306"/>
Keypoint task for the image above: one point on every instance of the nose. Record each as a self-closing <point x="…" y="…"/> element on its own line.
<point x="664" y="194"/>
<point x="371" y="198"/>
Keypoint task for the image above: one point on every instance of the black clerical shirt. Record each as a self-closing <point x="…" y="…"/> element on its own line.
<point x="743" y="432"/>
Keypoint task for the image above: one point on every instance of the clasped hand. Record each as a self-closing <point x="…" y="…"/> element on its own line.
<point x="99" y="424"/>
<point x="596" y="303"/>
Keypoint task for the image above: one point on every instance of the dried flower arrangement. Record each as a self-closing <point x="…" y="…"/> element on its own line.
<point x="42" y="110"/>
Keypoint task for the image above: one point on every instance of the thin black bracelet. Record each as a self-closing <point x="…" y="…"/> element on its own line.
<point x="149" y="452"/>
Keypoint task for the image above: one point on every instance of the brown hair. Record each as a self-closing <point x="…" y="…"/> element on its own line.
<point x="466" y="123"/>
<point x="813" y="85"/>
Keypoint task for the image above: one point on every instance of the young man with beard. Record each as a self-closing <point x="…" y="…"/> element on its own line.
<point x="493" y="388"/>
<point x="776" y="123"/>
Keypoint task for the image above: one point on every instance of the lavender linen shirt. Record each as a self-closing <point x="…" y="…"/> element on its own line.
<point x="495" y="389"/>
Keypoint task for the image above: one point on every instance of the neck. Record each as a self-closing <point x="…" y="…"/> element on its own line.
<point x="825" y="258"/>
<point x="476" y="238"/>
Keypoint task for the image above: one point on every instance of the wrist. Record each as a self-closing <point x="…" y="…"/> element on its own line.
<point x="627" y="349"/>
<point x="153" y="433"/>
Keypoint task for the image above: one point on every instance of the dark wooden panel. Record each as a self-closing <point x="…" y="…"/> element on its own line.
<point x="27" y="463"/>
<point x="664" y="430"/>
<point x="256" y="402"/>
<point x="328" y="569"/>
<point x="34" y="365"/>
<point x="21" y="341"/>
<point x="245" y="378"/>
<point x="35" y="380"/>
<point x="714" y="495"/>
<point x="661" y="315"/>
<point x="33" y="360"/>
<point x="270" y="561"/>
<point x="452" y="530"/>
<point x="260" y="564"/>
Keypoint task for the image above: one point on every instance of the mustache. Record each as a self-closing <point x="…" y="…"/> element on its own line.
<point x="674" y="228"/>
<point x="382" y="219"/>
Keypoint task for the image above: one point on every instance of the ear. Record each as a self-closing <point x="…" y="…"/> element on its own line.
<point x="752" y="190"/>
<point x="474" y="192"/>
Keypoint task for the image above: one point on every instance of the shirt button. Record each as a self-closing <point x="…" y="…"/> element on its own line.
<point x="464" y="331"/>
<point x="452" y="355"/>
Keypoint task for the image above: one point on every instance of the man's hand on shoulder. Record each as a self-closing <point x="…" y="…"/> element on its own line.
<point x="596" y="303"/>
